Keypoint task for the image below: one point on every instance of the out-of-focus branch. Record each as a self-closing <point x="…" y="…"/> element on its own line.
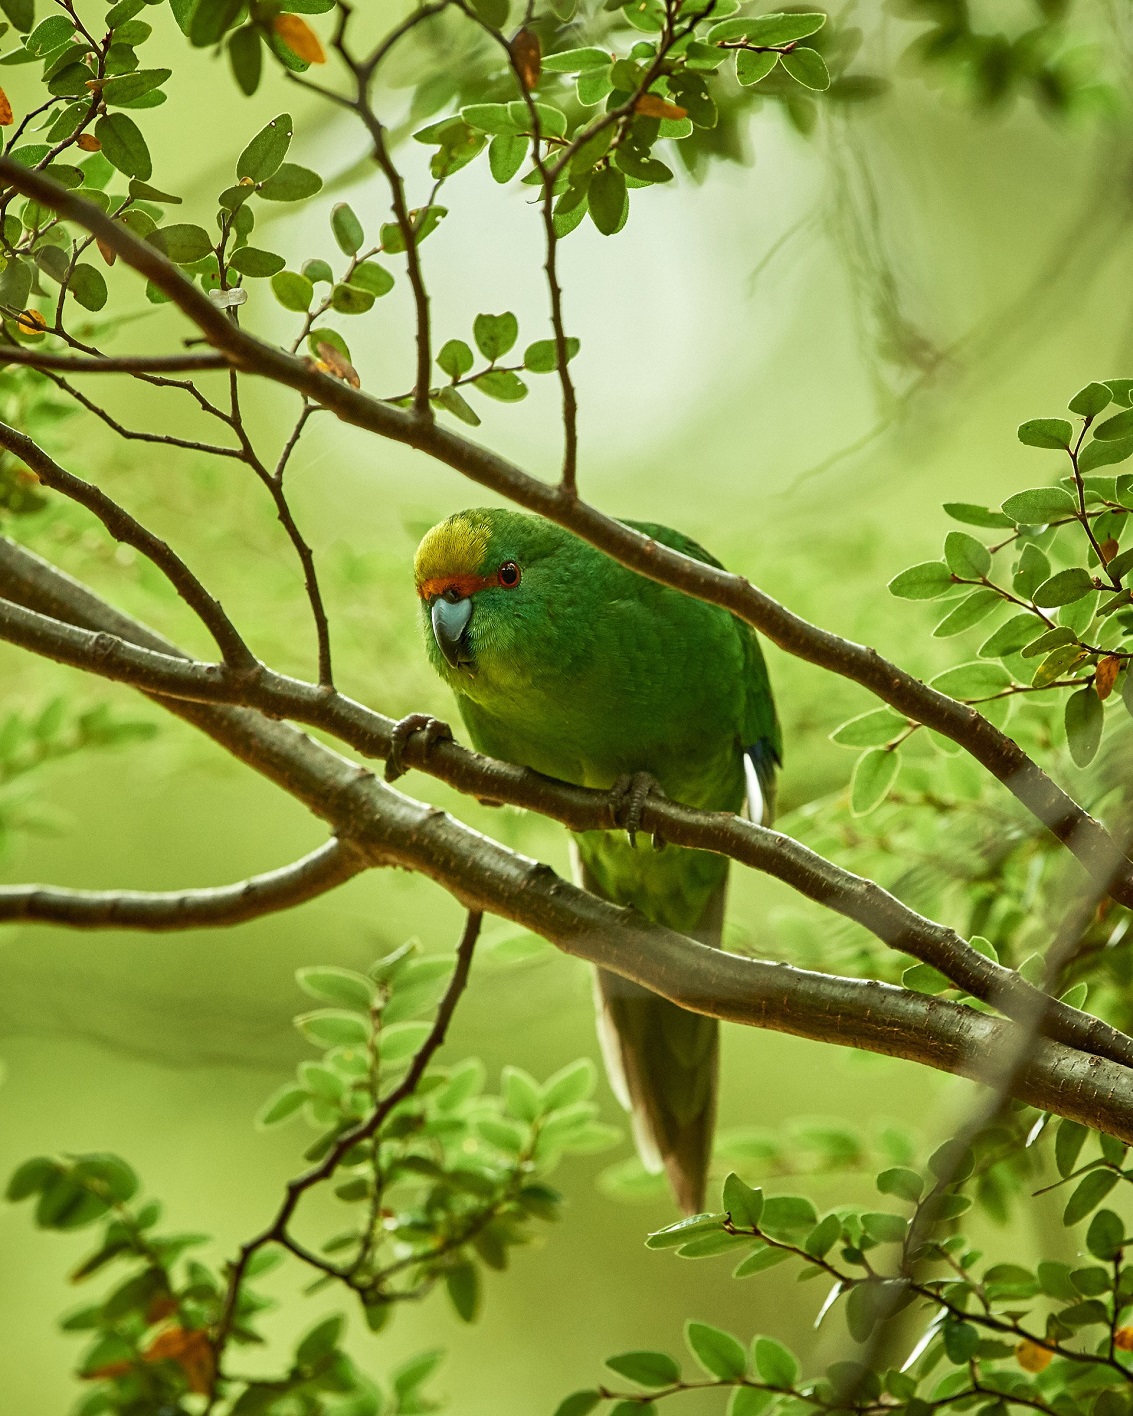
<point x="1086" y="837"/>
<point x="164" y="671"/>
<point x="161" y="911"/>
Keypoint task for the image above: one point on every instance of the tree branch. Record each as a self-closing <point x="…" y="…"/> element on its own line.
<point x="130" y="532"/>
<point x="1084" y="836"/>
<point x="192" y="361"/>
<point x="162" y="670"/>
<point x="167" y="910"/>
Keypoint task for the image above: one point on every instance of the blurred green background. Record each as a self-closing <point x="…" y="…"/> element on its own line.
<point x="795" y="363"/>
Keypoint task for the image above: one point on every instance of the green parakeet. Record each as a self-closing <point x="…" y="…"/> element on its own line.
<point x="565" y="661"/>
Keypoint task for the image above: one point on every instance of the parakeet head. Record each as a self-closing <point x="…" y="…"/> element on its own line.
<point x="489" y="582"/>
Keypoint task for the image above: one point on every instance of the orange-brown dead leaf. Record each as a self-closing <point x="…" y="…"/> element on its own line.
<point x="1123" y="1339"/>
<point x="88" y="142"/>
<point x="164" y="1305"/>
<point x="107" y="1373"/>
<point x="527" y="55"/>
<point x="338" y="365"/>
<point x="1105" y="676"/>
<point x="1108" y="549"/>
<point x="7" y="118"/>
<point x="650" y="105"/>
<point x="31" y="322"/>
<point x="300" y="38"/>
<point x="1031" y="1357"/>
<point x="192" y="1351"/>
<point x="108" y="253"/>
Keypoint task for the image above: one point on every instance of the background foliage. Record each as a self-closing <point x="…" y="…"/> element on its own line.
<point x="833" y="341"/>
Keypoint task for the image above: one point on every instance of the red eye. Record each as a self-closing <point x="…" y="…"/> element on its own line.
<point x="509" y="575"/>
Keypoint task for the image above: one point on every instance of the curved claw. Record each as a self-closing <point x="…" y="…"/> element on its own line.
<point x="433" y="728"/>
<point x="627" y="803"/>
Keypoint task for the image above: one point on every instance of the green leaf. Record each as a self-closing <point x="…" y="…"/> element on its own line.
<point x="1011" y="637"/>
<point x="974" y="680"/>
<point x="786" y="1215"/>
<point x="823" y="1236"/>
<point x="571" y="1084"/>
<point x="281" y="1104"/>
<point x="21" y="13"/>
<point x="807" y="67"/>
<point x="923" y="978"/>
<point x="764" y="1257"/>
<point x="401" y="1040"/>
<point x="321" y="1341"/>
<point x="1119" y="426"/>
<point x="1055" y="638"/>
<point x="885" y="1228"/>
<point x="291" y="183"/>
<point x="743" y="1203"/>
<point x="463" y="1286"/>
<point x="1046" y="432"/>
<point x="1104" y="454"/>
<point x="927" y="581"/>
<point x="575" y="61"/>
<point x="349" y="299"/>
<point x="245" y="55"/>
<point x="752" y="66"/>
<point x="1063" y="588"/>
<point x="608" y="200"/>
<point x="455" y="358"/>
<point x="347" y="229"/>
<point x="874" y="773"/>
<point x="495" y="334"/>
<point x="1090" y="1191"/>
<point x="128" y="88"/>
<point x="1033" y="569"/>
<point x="1068" y="1144"/>
<point x="1039" y="505"/>
<point x="88" y="286"/>
<point x="1085" y="718"/>
<point x="265" y="153"/>
<point x="492" y="12"/>
<point x="872" y="729"/>
<point x="506" y="153"/>
<point x="501" y="384"/>
<point x="972" y="515"/>
<point x="774" y="1363"/>
<point x="32" y="1177"/>
<point x="181" y="242"/>
<point x="970" y="611"/>
<point x="1095" y="398"/>
<point x="966" y="557"/>
<point x="123" y="145"/>
<point x="333" y="1027"/>
<point x="579" y="1403"/>
<point x="1105" y="1236"/>
<point x="541" y="357"/>
<point x="768" y="31"/>
<point x="684" y="1229"/>
<point x="251" y="261"/>
<point x="749" y="1401"/>
<point x="335" y="985"/>
<point x="293" y="291"/>
<point x="522" y="1096"/>
<point x="454" y="402"/>
<point x="647" y="1369"/>
<point x="1062" y="661"/>
<point x="494" y="118"/>
<point x="212" y="19"/>
<point x="906" y="1184"/>
<point x="718" y="1352"/>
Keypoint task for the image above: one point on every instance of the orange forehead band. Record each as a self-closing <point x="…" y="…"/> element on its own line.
<point x="464" y="585"/>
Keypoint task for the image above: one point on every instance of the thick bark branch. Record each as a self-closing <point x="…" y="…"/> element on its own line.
<point x="391" y="829"/>
<point x="124" y="643"/>
<point x="1086" y="837"/>
<point x="167" y="910"/>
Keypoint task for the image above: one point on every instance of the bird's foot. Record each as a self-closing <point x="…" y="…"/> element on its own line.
<point x="434" y="730"/>
<point x="627" y="803"/>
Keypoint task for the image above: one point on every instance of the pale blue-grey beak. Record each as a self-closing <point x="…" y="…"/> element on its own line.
<point x="450" y="622"/>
